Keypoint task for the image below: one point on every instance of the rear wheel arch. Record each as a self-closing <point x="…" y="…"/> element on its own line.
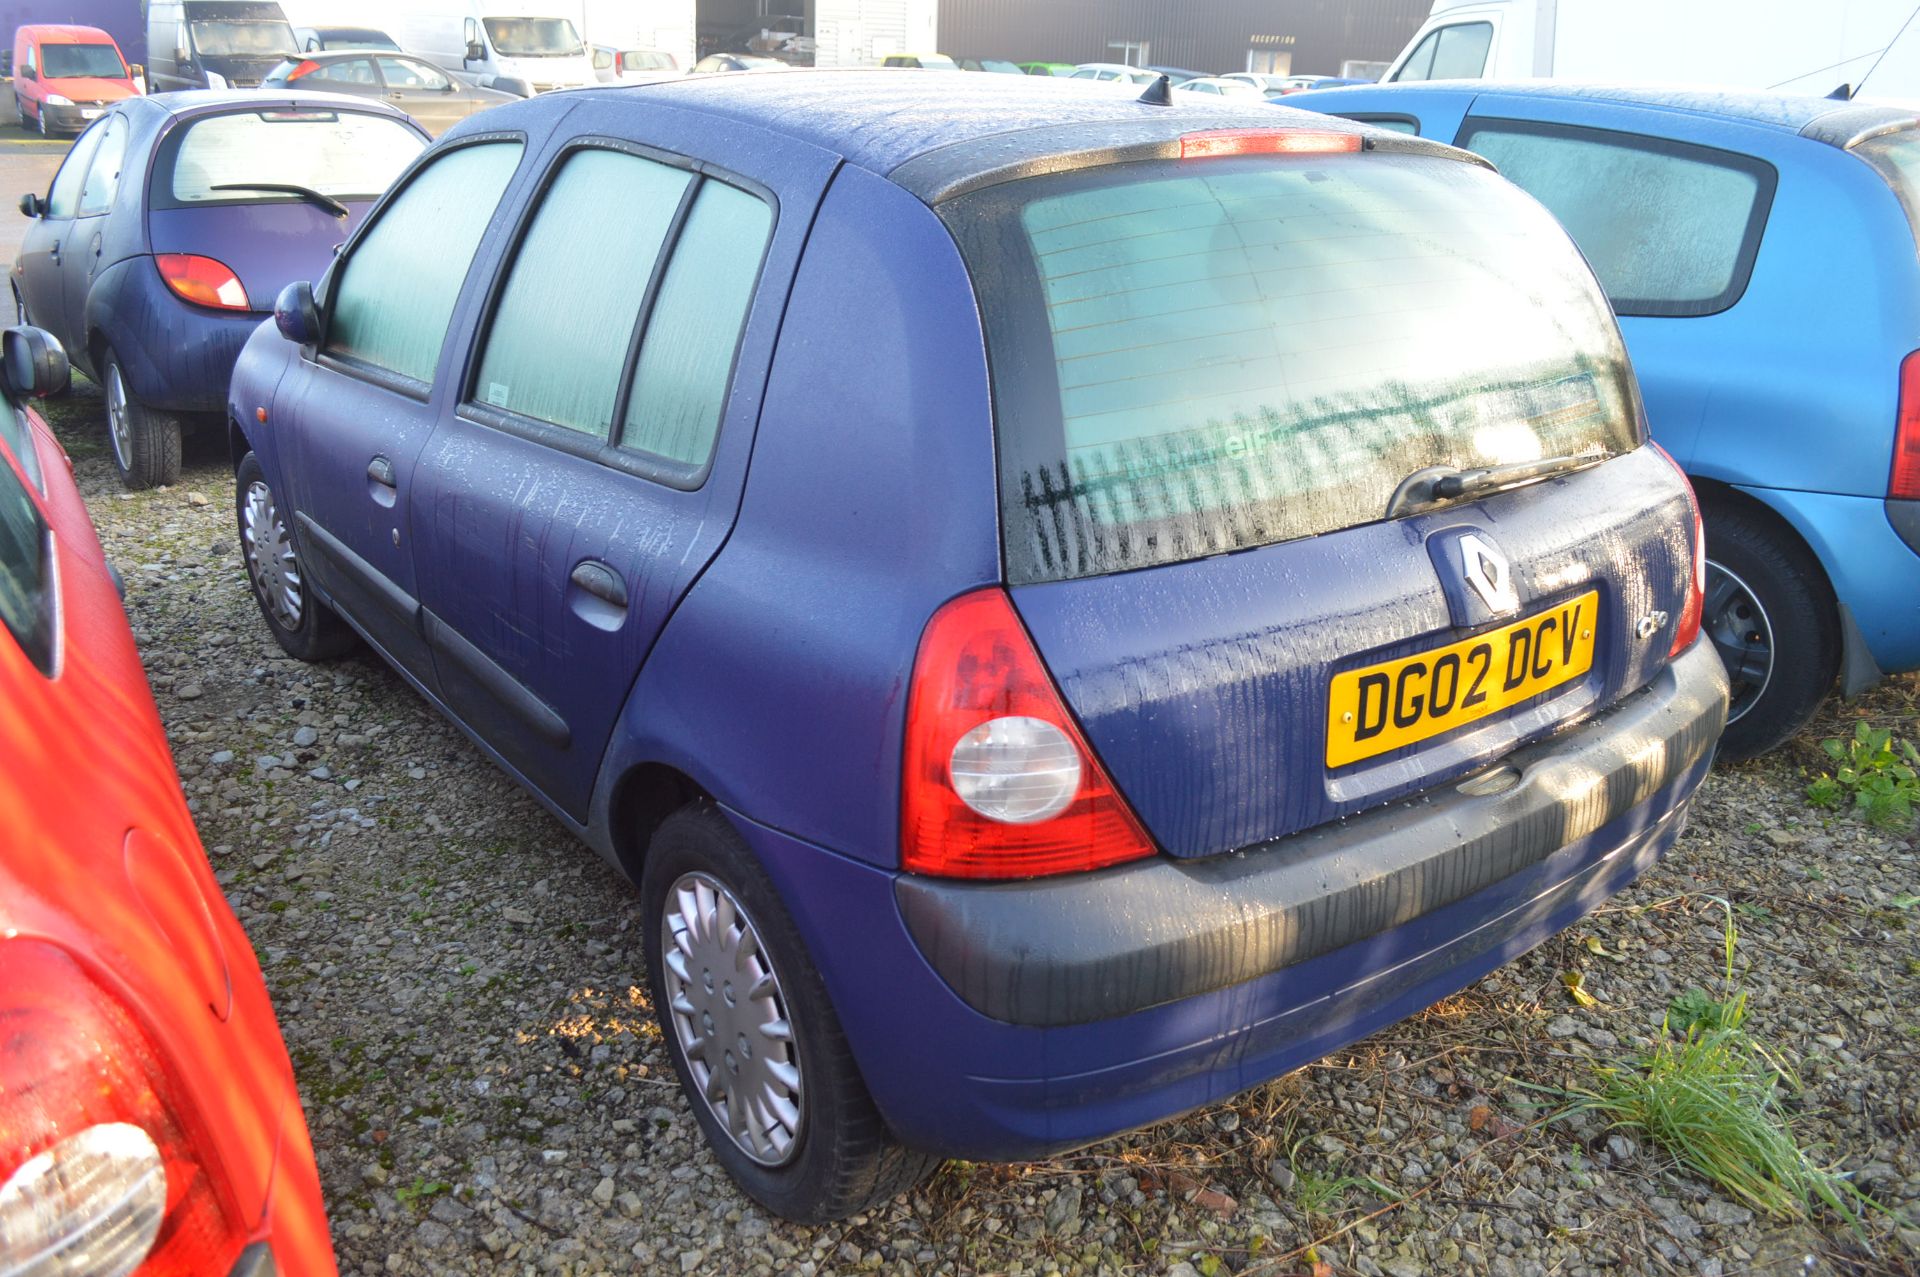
<point x="644" y="796"/>
<point x="1717" y="495"/>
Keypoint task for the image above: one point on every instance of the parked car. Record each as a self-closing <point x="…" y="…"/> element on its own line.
<point x="921" y="61"/>
<point x="616" y="66"/>
<point x="1113" y="71"/>
<point x="996" y="65"/>
<point x="1184" y="727"/>
<point x="332" y="39"/>
<point x="1220" y="86"/>
<point x="160" y="1130"/>
<point x="67" y="76"/>
<point x="1275" y="85"/>
<point x="1750" y="212"/>
<point x="434" y="99"/>
<point x="1048" y="68"/>
<point x="1179" y="75"/>
<point x="154" y="282"/>
<point x="736" y="62"/>
<point x="215" y="44"/>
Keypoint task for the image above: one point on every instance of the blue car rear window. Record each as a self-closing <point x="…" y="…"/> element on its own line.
<point x="1245" y="351"/>
<point x="1896" y="157"/>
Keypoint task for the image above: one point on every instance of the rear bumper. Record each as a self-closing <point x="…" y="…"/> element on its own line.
<point x="1017" y="1020"/>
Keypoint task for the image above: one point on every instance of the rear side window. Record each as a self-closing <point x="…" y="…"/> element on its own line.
<point x="1671" y="229"/>
<point x="348" y="71"/>
<point x="686" y="359"/>
<point x="241" y="157"/>
<point x="25" y="570"/>
<point x="1458" y="52"/>
<point x="564" y="322"/>
<point x="395" y="294"/>
<point x="1200" y="357"/>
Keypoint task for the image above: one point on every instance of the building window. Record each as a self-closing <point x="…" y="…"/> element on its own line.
<point x="1131" y="53"/>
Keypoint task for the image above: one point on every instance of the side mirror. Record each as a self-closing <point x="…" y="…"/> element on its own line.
<point x="32" y="205"/>
<point x="510" y="84"/>
<point x="295" y="314"/>
<point x="35" y="363"/>
<point x="476" y="51"/>
<point x="28" y="73"/>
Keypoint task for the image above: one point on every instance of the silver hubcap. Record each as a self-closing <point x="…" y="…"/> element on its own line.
<point x="119" y="422"/>
<point x="730" y="1018"/>
<point x="270" y="561"/>
<point x="1742" y="634"/>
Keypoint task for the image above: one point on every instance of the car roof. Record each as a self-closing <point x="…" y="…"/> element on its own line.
<point x="1787" y="112"/>
<point x="955" y="129"/>
<point x="324" y="56"/>
<point x="66" y="33"/>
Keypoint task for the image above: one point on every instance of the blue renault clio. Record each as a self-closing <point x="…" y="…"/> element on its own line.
<point x="1760" y="253"/>
<point x="1066" y="605"/>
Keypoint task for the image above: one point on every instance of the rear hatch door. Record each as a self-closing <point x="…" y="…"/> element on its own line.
<point x="1210" y="378"/>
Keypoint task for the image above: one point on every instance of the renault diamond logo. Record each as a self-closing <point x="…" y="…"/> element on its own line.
<point x="1488" y="574"/>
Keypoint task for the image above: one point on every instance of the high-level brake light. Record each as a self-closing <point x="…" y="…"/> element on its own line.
<point x="1220" y="142"/>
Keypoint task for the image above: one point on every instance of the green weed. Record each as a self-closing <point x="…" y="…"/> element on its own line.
<point x="1877" y="770"/>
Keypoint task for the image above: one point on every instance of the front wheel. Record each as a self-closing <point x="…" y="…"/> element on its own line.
<point x="40" y="119"/>
<point x="305" y="628"/>
<point x="146" y="442"/>
<point x="1773" y="619"/>
<point x="753" y="1035"/>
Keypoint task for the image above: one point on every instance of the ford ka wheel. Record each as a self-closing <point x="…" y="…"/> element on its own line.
<point x="271" y="563"/>
<point x="1738" y="626"/>
<point x="306" y="628"/>
<point x="730" y="1017"/>
<point x="752" y="1033"/>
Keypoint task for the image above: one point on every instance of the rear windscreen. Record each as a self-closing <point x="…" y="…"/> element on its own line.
<point x="256" y="156"/>
<point x="1195" y="357"/>
<point x="1896" y="156"/>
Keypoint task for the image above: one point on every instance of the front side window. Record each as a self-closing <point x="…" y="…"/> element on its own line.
<point x="1671" y="229"/>
<point x="103" y="175"/>
<point x="1192" y="358"/>
<point x="25" y="570"/>
<point x="84" y="61"/>
<point x="394" y="296"/>
<point x="1457" y="52"/>
<point x="533" y="37"/>
<point x="564" y="323"/>
<point x="405" y="73"/>
<point x="243" y="156"/>
<point x="686" y="359"/>
<point x="63" y="199"/>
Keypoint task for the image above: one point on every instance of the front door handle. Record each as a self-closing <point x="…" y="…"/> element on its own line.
<point x="54" y="252"/>
<point x="380" y="470"/>
<point x="600" y="581"/>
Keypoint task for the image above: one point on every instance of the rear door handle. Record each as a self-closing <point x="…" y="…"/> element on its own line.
<point x="380" y="470"/>
<point x="600" y="581"/>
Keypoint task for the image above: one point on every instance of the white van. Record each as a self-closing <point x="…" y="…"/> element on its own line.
<point x="1792" y="46"/>
<point x="521" y="46"/>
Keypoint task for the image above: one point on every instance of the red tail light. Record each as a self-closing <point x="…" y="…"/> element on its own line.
<point x="998" y="781"/>
<point x="1904" y="483"/>
<point x="202" y="280"/>
<point x="96" y="1167"/>
<point x="1219" y="142"/>
<point x="1690" y="611"/>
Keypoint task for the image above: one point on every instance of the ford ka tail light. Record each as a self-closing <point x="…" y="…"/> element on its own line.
<point x="99" y="1172"/>
<point x="1690" y="611"/>
<point x="998" y="780"/>
<point x="204" y="281"/>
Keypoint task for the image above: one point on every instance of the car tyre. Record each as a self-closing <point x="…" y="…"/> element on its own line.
<point x="1772" y="616"/>
<point x="40" y="120"/>
<point x="838" y="1158"/>
<point x="145" y="442"/>
<point x="304" y="627"/>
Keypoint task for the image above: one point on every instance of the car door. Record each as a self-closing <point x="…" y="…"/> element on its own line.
<point x="595" y="463"/>
<point x="81" y="261"/>
<point x="357" y="408"/>
<point x="424" y="93"/>
<point x="44" y="249"/>
<point x="1671" y="227"/>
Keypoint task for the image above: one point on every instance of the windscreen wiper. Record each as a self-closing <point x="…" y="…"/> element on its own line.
<point x="1432" y="484"/>
<point x="306" y="193"/>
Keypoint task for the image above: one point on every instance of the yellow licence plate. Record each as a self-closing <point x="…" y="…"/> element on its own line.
<point x="1383" y="707"/>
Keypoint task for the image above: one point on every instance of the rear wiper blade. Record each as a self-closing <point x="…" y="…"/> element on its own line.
<point x="306" y="193"/>
<point x="1432" y="484"/>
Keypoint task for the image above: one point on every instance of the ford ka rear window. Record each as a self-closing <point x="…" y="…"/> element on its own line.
<point x="1196" y="357"/>
<point x="259" y="156"/>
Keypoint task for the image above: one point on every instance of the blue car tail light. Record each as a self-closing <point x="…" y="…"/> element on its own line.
<point x="998" y="782"/>
<point x="1904" y="483"/>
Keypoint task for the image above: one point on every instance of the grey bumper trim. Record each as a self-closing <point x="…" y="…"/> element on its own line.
<point x="1086" y="947"/>
<point x="1905" y="518"/>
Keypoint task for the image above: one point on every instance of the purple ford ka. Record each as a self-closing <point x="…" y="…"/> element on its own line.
<point x="171" y="227"/>
<point x="1066" y="606"/>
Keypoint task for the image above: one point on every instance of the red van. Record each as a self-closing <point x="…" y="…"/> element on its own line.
<point x="65" y="77"/>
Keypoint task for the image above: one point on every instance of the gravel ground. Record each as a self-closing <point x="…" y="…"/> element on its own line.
<point x="460" y="985"/>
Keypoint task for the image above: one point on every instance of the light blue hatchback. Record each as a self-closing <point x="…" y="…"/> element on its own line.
<point x="1760" y="253"/>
